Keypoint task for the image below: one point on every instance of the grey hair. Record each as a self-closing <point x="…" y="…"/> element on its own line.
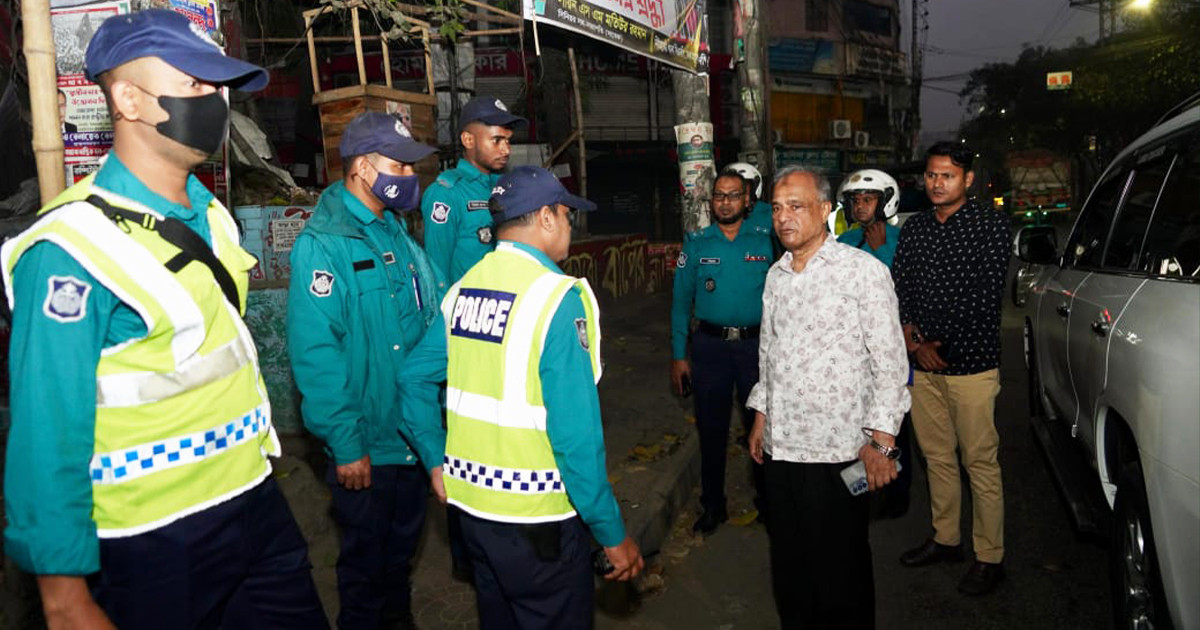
<point x="824" y="189"/>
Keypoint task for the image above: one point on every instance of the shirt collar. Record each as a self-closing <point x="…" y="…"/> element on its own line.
<point x="114" y="177"/>
<point x="357" y="208"/>
<point x="536" y="253"/>
<point x="469" y="171"/>
<point x="825" y="253"/>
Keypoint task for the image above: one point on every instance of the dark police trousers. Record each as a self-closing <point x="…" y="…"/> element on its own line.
<point x="820" y="555"/>
<point x="717" y="366"/>
<point x="531" y="576"/>
<point x="381" y="527"/>
<point x="241" y="564"/>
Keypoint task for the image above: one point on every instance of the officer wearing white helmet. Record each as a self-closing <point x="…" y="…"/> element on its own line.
<point x="759" y="215"/>
<point x="871" y="198"/>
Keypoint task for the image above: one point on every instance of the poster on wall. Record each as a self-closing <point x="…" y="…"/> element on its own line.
<point x="695" y="146"/>
<point x="674" y="32"/>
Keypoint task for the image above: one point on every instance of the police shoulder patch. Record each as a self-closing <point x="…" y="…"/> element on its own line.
<point x="66" y="299"/>
<point x="322" y="283"/>
<point x="581" y="332"/>
<point x="484" y="234"/>
<point x="440" y="212"/>
<point x="682" y="262"/>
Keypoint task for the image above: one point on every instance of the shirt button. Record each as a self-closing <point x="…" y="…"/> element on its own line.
<point x="396" y="347"/>
<point x="393" y="296"/>
<point x="408" y="458"/>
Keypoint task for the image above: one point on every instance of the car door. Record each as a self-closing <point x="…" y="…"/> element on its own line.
<point x="1100" y="300"/>
<point x="1084" y="252"/>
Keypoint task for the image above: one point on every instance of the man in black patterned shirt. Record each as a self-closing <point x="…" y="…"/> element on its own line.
<point x="949" y="273"/>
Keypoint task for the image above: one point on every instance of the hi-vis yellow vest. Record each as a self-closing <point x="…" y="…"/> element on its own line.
<point x="499" y="464"/>
<point x="182" y="417"/>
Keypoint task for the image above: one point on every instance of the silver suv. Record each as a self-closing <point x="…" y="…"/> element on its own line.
<point x="1112" y="330"/>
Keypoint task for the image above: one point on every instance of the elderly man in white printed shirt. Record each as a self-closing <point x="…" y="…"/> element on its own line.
<point x="831" y="392"/>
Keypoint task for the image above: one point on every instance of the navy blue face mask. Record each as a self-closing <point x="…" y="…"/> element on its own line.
<point x="397" y="192"/>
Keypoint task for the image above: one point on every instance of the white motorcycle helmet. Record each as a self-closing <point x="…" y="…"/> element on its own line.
<point x="750" y="174"/>
<point x="875" y="181"/>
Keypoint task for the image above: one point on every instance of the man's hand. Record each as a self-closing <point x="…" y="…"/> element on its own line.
<point x="69" y="605"/>
<point x="875" y="234"/>
<point x="880" y="470"/>
<point x="755" y="441"/>
<point x="626" y="559"/>
<point x="356" y="475"/>
<point x="439" y="486"/>
<point x="680" y="368"/>
<point x="928" y="357"/>
<point x="912" y="338"/>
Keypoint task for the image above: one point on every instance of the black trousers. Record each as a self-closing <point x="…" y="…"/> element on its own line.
<point x="241" y="564"/>
<point x="820" y="554"/>
<point x="717" y="367"/>
<point x="381" y="527"/>
<point x="531" y="577"/>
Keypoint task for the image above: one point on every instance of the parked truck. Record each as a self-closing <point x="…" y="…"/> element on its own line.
<point x="1041" y="182"/>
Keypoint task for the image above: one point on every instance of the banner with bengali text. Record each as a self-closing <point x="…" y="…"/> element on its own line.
<point x="674" y="32"/>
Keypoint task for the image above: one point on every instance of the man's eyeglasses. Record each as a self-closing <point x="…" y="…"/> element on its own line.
<point x="719" y="197"/>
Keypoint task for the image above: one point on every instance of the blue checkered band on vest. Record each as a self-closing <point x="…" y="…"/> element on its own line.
<point x="131" y="463"/>
<point x="518" y="480"/>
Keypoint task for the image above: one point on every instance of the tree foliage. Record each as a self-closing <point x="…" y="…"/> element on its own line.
<point x="1120" y="88"/>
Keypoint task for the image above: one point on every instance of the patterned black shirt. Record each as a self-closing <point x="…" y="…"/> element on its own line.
<point x="950" y="281"/>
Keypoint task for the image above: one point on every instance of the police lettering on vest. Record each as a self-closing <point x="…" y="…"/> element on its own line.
<point x="481" y="314"/>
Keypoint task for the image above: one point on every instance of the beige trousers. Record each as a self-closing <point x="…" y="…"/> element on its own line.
<point x="952" y="413"/>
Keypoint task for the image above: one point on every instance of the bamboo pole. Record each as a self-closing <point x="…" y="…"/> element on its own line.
<point x="312" y="53"/>
<point x="43" y="98"/>
<point x="358" y="51"/>
<point x="582" y="142"/>
<point x="387" y="62"/>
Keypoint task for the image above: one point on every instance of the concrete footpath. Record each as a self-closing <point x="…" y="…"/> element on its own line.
<point x="653" y="464"/>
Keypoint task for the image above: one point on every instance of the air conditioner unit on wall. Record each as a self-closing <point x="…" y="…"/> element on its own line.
<point x="840" y="129"/>
<point x="862" y="139"/>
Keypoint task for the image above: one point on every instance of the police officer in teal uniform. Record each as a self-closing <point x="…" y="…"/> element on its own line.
<point x="138" y="487"/>
<point x="458" y="226"/>
<point x="759" y="215"/>
<point x="361" y="296"/>
<point x="719" y="280"/>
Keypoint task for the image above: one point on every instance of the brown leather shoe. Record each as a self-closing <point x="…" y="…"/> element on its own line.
<point x="930" y="553"/>
<point x="981" y="579"/>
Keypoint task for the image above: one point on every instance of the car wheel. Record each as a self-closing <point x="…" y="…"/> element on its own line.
<point x="1137" y="594"/>
<point x="1035" y="382"/>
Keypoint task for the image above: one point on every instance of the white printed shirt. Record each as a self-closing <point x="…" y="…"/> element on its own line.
<point x="831" y="354"/>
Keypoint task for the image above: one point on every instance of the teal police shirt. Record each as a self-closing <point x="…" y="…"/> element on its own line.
<point x="458" y="225"/>
<point x="357" y="304"/>
<point x="854" y="237"/>
<point x="52" y="367"/>
<point x="719" y="280"/>
<point x="572" y="410"/>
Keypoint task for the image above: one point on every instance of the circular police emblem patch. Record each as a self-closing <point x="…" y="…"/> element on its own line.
<point x="682" y="262"/>
<point x="391" y="191"/>
<point x="485" y="234"/>
<point x="402" y="131"/>
<point x="500" y="105"/>
<point x="710" y="285"/>
<point x="322" y="283"/>
<point x="441" y="212"/>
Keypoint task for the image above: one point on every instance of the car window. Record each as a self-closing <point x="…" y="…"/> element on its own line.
<point x="1086" y="246"/>
<point x="1173" y="242"/>
<point x="1125" y="243"/>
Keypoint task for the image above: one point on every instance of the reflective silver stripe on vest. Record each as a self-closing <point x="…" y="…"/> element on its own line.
<point x="138" y="461"/>
<point x="137" y="388"/>
<point x="512" y="414"/>
<point x="515" y="480"/>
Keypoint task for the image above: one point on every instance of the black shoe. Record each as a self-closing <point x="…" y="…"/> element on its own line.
<point x="931" y="552"/>
<point x="708" y="522"/>
<point x="981" y="579"/>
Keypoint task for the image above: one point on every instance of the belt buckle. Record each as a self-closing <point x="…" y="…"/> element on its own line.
<point x="733" y="333"/>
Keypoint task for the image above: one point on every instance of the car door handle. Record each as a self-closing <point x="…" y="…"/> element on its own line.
<point x="1063" y="310"/>
<point x="1100" y="328"/>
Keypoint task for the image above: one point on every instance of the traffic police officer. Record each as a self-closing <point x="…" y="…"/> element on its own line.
<point x="523" y="452"/>
<point x="870" y="199"/>
<point x="458" y="226"/>
<point x="362" y="294"/>
<point x="720" y="274"/>
<point x="137" y="457"/>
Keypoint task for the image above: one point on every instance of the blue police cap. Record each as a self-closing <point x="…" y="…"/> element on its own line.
<point x="488" y="110"/>
<point x="377" y="132"/>
<point x="528" y="188"/>
<point x="173" y="38"/>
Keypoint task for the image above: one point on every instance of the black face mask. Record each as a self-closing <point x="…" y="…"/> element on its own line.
<point x="199" y="122"/>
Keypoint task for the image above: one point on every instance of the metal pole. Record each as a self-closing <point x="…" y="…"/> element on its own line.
<point x="914" y="114"/>
<point x="582" y="146"/>
<point x="43" y="98"/>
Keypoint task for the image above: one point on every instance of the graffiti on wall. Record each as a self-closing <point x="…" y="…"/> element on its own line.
<point x="621" y="266"/>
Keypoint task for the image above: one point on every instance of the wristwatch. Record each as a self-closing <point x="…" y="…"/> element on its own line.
<point x="890" y="452"/>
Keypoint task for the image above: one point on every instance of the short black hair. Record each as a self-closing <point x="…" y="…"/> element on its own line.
<point x="729" y="172"/>
<point x="499" y="225"/>
<point x="959" y="153"/>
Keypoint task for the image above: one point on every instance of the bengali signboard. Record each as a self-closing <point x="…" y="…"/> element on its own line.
<point x="874" y="61"/>
<point x="674" y="32"/>
<point x="808" y="56"/>
<point x="824" y="161"/>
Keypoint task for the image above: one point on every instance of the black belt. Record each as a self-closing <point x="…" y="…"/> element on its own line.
<point x="728" y="333"/>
